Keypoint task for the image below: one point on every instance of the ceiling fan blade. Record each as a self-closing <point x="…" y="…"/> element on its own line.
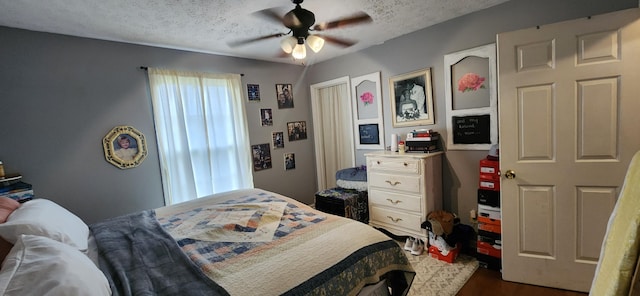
<point x="247" y="41"/>
<point x="270" y="15"/>
<point x="349" y="21"/>
<point x="289" y="20"/>
<point x="337" y="41"/>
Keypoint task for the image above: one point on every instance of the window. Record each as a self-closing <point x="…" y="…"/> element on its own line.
<point x="201" y="126"/>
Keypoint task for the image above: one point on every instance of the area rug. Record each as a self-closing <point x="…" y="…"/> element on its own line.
<point x="436" y="277"/>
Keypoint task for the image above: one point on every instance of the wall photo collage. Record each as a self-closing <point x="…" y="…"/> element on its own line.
<point x="295" y="130"/>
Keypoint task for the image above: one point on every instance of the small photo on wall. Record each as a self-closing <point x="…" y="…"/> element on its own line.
<point x="284" y="93"/>
<point x="278" y="139"/>
<point x="253" y="92"/>
<point x="266" y="117"/>
<point x="261" y="157"/>
<point x="289" y="161"/>
<point x="297" y="130"/>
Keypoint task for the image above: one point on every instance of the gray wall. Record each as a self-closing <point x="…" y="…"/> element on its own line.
<point x="426" y="49"/>
<point x="60" y="95"/>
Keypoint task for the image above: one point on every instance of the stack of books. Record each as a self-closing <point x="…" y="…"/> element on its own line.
<point x="12" y="187"/>
<point x="423" y="140"/>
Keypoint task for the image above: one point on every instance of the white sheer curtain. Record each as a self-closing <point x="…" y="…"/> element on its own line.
<point x="337" y="134"/>
<point x="201" y="126"/>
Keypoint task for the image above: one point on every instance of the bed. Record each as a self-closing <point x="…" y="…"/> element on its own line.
<point x="244" y="242"/>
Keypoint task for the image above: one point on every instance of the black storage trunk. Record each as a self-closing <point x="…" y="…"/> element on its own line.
<point x="343" y="202"/>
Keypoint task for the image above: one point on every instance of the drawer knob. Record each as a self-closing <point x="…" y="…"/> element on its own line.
<point x="395" y="202"/>
<point x="394" y="183"/>
<point x="406" y="164"/>
<point x="378" y="162"/>
<point x="394" y="220"/>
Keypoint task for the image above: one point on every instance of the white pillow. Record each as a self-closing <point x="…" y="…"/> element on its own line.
<point x="38" y="265"/>
<point x="46" y="218"/>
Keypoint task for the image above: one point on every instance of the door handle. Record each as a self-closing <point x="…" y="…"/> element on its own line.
<point x="510" y="174"/>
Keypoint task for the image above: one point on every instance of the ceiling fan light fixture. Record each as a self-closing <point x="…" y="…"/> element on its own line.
<point x="301" y="22"/>
<point x="288" y="43"/>
<point x="315" y="43"/>
<point x="299" y="51"/>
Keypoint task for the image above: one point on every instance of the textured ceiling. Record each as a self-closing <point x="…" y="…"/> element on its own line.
<point x="209" y="25"/>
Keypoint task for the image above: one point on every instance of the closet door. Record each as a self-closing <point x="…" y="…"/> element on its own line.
<point x="333" y="129"/>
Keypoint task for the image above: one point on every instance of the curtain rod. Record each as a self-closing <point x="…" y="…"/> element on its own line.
<point x="147" y="68"/>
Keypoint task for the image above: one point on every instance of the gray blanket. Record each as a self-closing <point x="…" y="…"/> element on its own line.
<point x="352" y="174"/>
<point x="139" y="258"/>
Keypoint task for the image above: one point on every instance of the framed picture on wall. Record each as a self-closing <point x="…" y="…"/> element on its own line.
<point x="266" y="117"/>
<point x="366" y="105"/>
<point x="261" y="157"/>
<point x="471" y="98"/>
<point x="253" y="92"/>
<point x="124" y="147"/>
<point x="278" y="139"/>
<point x="289" y="161"/>
<point x="297" y="130"/>
<point x="284" y="93"/>
<point x="412" y="99"/>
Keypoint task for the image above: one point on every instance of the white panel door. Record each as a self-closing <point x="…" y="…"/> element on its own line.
<point x="568" y="111"/>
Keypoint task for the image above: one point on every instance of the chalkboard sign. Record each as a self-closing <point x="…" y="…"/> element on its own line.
<point x="475" y="129"/>
<point x="369" y="134"/>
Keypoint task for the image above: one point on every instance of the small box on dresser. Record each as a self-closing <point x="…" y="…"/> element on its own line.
<point x="403" y="189"/>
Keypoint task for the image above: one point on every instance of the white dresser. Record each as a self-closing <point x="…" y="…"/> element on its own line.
<point x="403" y="188"/>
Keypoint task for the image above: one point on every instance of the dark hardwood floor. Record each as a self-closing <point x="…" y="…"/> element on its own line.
<point x="489" y="282"/>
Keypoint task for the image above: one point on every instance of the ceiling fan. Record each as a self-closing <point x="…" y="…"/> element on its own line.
<point x="301" y="23"/>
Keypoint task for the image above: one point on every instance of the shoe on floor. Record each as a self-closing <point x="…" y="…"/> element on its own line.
<point x="408" y="245"/>
<point x="418" y="247"/>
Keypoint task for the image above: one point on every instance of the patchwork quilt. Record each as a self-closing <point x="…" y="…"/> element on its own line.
<point x="255" y="242"/>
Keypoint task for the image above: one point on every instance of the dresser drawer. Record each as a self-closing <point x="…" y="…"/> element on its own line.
<point x="394" y="200"/>
<point x="395" y="165"/>
<point x="395" y="218"/>
<point x="408" y="183"/>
